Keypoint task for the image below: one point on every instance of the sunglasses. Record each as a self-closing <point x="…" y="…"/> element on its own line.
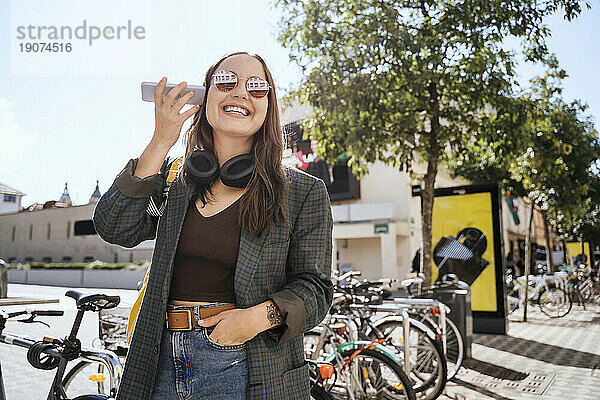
<point x="226" y="81"/>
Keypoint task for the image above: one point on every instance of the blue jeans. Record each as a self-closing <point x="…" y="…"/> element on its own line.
<point x="191" y="366"/>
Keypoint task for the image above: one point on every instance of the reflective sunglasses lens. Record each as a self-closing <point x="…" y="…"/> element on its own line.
<point x="225" y="80"/>
<point x="257" y="87"/>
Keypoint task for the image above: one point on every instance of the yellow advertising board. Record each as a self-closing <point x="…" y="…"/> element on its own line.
<point x="467" y="242"/>
<point x="574" y="249"/>
<point x="452" y="217"/>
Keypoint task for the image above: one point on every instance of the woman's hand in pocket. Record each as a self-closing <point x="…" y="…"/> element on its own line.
<point x="233" y="327"/>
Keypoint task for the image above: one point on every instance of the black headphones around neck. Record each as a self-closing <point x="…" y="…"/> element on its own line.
<point x="202" y="167"/>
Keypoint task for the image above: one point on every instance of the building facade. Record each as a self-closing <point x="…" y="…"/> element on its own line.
<point x="61" y="234"/>
<point x="10" y="199"/>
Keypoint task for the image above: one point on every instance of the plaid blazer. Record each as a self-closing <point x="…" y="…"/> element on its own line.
<point x="291" y="267"/>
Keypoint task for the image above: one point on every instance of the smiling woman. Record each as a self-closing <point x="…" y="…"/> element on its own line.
<point x="226" y="95"/>
<point x="242" y="260"/>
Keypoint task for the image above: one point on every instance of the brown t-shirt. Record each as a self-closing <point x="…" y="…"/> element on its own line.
<point x="206" y="256"/>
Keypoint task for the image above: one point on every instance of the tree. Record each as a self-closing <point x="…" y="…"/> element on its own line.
<point x="551" y="165"/>
<point x="582" y="222"/>
<point x="410" y="80"/>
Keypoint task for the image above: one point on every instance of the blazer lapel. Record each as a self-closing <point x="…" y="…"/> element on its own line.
<point x="249" y="253"/>
<point x="170" y="227"/>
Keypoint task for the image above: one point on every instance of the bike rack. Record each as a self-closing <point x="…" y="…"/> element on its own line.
<point x="427" y="303"/>
<point x="405" y="327"/>
<point x="110" y="360"/>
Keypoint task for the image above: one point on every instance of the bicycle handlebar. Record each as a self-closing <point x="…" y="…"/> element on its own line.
<point x="346" y="275"/>
<point x="50" y="313"/>
<point x="46" y="313"/>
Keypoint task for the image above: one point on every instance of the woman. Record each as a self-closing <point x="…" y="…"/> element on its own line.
<point x="224" y="308"/>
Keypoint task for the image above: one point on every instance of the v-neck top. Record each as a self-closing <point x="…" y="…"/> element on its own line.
<point x="206" y="256"/>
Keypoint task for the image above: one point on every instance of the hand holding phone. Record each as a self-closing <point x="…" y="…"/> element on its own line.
<point x="166" y="110"/>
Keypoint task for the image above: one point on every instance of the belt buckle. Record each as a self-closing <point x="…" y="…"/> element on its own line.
<point x="189" y="327"/>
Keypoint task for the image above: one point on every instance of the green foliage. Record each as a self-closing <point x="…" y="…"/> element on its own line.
<point x="552" y="161"/>
<point x="380" y="75"/>
<point x="583" y="220"/>
<point x="407" y="81"/>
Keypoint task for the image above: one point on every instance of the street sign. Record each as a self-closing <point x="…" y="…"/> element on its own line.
<point x="381" y="228"/>
<point x="416" y="190"/>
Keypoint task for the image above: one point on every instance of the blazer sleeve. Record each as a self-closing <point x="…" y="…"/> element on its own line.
<point x="120" y="215"/>
<point x="308" y="295"/>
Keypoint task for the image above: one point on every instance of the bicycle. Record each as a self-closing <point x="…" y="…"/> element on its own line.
<point x="51" y="353"/>
<point x="348" y="329"/>
<point x="547" y="291"/>
<point x="362" y="369"/>
<point x="319" y="372"/>
<point x="418" y="347"/>
<point x="584" y="284"/>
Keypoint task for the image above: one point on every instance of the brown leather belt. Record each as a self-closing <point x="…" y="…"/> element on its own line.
<point x="183" y="318"/>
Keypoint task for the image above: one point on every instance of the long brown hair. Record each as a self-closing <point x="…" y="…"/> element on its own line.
<point x="262" y="205"/>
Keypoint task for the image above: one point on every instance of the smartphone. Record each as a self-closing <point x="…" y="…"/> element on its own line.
<point x="148" y="89"/>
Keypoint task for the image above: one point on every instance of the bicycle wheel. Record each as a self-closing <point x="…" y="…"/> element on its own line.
<point x="428" y="364"/>
<point x="455" y="350"/>
<point x="319" y="393"/>
<point x="370" y="374"/>
<point x="454" y="343"/>
<point x="83" y="379"/>
<point x="554" y="302"/>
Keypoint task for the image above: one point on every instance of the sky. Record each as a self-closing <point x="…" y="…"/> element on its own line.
<point x="78" y="117"/>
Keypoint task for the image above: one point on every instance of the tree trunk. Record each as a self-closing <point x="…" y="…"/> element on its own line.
<point x="527" y="262"/>
<point x="428" y="196"/>
<point x="549" y="261"/>
<point x="428" y="192"/>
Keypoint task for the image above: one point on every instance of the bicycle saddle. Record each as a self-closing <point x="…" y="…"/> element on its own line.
<point x="93" y="302"/>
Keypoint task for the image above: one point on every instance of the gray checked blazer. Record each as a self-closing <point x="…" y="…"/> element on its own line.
<point x="291" y="267"/>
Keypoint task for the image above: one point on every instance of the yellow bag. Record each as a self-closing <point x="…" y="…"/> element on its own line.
<point x="135" y="309"/>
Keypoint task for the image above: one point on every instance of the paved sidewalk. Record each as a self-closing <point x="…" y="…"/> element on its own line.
<point x="557" y="355"/>
<point x="21" y="380"/>
<point x="561" y="355"/>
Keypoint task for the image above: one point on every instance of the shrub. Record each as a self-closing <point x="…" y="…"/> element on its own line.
<point x="93" y="265"/>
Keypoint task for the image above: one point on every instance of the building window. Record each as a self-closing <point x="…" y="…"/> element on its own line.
<point x="116" y="258"/>
<point x="67" y="259"/>
<point x="10" y="198"/>
<point x="85" y="227"/>
<point x="28" y="260"/>
<point x="88" y="259"/>
<point x="341" y="183"/>
<point x="12" y="259"/>
<point x="14" y="232"/>
<point x="68" y="229"/>
<point x="131" y="257"/>
<point x="47" y="259"/>
<point x="48" y="232"/>
<point x="30" y="231"/>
